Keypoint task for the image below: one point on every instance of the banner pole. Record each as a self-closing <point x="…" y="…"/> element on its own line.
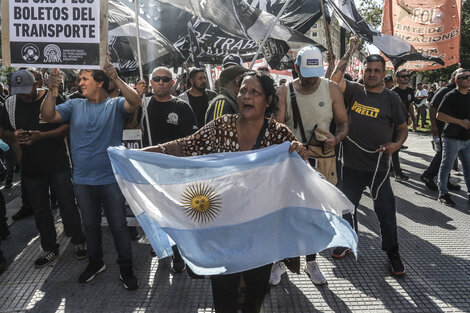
<point x="271" y="27"/>
<point x="327" y="28"/>
<point x="139" y="58"/>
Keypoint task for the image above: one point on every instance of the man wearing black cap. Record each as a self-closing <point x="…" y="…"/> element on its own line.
<point x="44" y="163"/>
<point x="226" y="101"/>
<point x="198" y="96"/>
<point x="388" y="82"/>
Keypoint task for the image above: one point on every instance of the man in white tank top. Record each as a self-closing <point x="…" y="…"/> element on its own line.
<point x="319" y="101"/>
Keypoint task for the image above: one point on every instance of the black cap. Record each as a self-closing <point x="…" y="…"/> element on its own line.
<point x="232" y="59"/>
<point x="388" y="78"/>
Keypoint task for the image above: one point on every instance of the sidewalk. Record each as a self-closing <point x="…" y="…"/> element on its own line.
<point x="433" y="244"/>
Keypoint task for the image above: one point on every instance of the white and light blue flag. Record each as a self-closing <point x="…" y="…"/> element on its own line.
<point x="231" y="212"/>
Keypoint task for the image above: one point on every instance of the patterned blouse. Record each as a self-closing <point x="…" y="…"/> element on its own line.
<point x="220" y="135"/>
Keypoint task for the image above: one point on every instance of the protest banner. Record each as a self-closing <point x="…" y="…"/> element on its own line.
<point x="432" y="27"/>
<point x="54" y="33"/>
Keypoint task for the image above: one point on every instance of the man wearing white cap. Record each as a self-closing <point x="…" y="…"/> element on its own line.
<point x="307" y="103"/>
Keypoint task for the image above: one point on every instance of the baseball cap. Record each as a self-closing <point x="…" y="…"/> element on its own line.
<point x="388" y="78"/>
<point x="232" y="59"/>
<point x="22" y="82"/>
<point x="230" y="73"/>
<point x="310" y="62"/>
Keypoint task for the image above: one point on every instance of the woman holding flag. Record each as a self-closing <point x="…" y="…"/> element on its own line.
<point x="251" y="129"/>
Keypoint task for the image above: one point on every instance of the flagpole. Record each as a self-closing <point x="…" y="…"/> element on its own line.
<point x="340" y="16"/>
<point x="271" y="27"/>
<point x="139" y="59"/>
<point x="327" y="28"/>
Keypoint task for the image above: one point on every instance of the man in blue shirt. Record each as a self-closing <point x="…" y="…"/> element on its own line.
<point x="96" y="123"/>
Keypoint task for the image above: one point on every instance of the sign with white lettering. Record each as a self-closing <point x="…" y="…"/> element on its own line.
<point x="54" y="33"/>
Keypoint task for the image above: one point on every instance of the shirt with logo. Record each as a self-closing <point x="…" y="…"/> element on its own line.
<point x="371" y="120"/>
<point x="407" y="96"/>
<point x="168" y="121"/>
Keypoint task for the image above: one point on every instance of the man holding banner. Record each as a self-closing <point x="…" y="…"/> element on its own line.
<point x="96" y="123"/>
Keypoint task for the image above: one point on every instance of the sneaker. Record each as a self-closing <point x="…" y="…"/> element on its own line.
<point x="314" y="272"/>
<point x="81" y="251"/>
<point x="445" y="199"/>
<point x="278" y="269"/>
<point x="46" y="259"/>
<point x="452" y="186"/>
<point x="178" y="265"/>
<point x="401" y="178"/>
<point x="128" y="278"/>
<point x="22" y="213"/>
<point x="133" y="233"/>
<point x="398" y="268"/>
<point x="340" y="252"/>
<point x="91" y="271"/>
<point x="428" y="182"/>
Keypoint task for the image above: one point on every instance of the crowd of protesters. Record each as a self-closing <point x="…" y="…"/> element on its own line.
<point x="57" y="140"/>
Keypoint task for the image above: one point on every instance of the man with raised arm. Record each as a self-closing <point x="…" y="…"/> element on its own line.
<point x="373" y="111"/>
<point x="96" y="123"/>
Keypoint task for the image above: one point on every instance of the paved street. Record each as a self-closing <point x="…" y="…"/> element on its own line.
<point x="434" y="246"/>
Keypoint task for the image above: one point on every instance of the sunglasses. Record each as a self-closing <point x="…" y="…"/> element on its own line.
<point x="404" y="76"/>
<point x="165" y="79"/>
<point x="464" y="77"/>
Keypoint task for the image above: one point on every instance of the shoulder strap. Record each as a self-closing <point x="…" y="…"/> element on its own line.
<point x="296" y="112"/>
<point x="261" y="134"/>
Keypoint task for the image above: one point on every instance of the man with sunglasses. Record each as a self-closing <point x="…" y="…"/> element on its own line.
<point x="197" y="95"/>
<point x="169" y="118"/>
<point x="373" y="111"/>
<point x="454" y="110"/>
<point x="407" y="96"/>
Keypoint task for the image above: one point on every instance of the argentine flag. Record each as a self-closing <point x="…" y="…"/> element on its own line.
<point x="231" y="212"/>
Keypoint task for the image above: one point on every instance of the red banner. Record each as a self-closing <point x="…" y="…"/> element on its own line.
<point x="432" y="27"/>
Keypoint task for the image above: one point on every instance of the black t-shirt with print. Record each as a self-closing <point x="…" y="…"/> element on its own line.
<point x="407" y="96"/>
<point x="371" y="120"/>
<point x="168" y="121"/>
<point x="44" y="157"/>
<point x="456" y="105"/>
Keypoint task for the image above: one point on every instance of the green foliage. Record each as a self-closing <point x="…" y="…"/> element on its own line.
<point x="371" y="12"/>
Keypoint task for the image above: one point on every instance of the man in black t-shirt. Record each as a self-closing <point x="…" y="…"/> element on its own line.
<point x="44" y="164"/>
<point x="436" y="130"/>
<point x="455" y="112"/>
<point x="407" y="98"/>
<point x="169" y="118"/>
<point x="373" y="111"/>
<point x="198" y="96"/>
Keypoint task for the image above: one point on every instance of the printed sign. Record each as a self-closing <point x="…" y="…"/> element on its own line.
<point x="54" y="33"/>
<point x="432" y="27"/>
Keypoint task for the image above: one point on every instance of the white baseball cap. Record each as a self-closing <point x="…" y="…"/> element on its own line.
<point x="310" y="62"/>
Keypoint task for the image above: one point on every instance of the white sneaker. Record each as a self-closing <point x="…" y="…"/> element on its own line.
<point x="278" y="269"/>
<point x="314" y="272"/>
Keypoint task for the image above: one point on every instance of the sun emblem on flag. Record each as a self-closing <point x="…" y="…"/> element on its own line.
<point x="201" y="203"/>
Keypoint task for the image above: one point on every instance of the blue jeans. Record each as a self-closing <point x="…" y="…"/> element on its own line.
<point x="354" y="183"/>
<point x="451" y="148"/>
<point x="91" y="198"/>
<point x="38" y="196"/>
